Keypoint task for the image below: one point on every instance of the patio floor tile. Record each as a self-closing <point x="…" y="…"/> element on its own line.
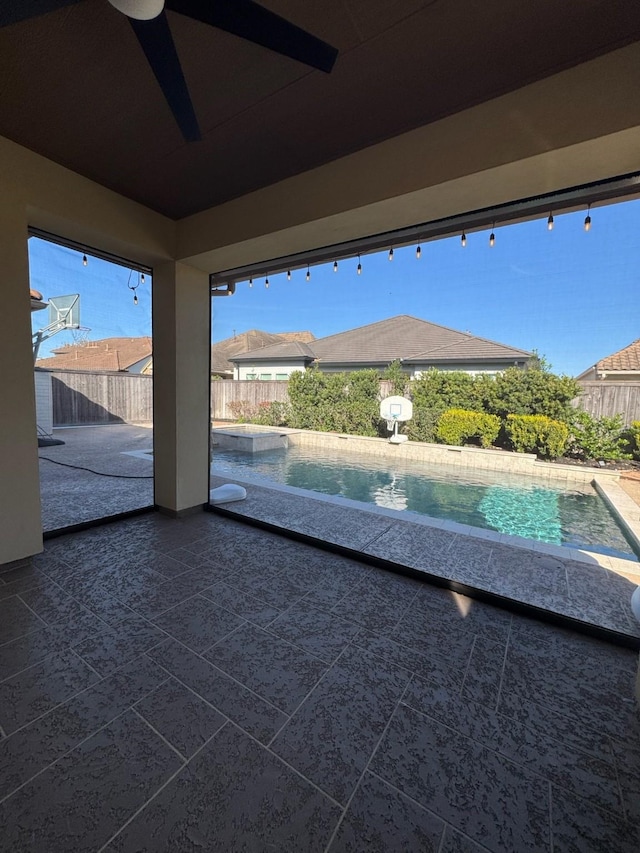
<point x="260" y="694"/>
<point x="273" y="668"/>
<point x="181" y="717"/>
<point x="197" y="623"/>
<point x="241" y="778"/>
<point x="379" y="815"/>
<point x="36" y="690"/>
<point x="122" y="764"/>
<point x="503" y="805"/>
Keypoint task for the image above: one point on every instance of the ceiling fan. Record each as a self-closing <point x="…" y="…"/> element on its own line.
<point x="243" y="18"/>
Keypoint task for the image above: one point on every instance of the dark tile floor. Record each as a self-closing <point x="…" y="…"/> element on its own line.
<point x="200" y="685"/>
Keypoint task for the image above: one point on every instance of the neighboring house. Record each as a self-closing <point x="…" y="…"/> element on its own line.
<point x="623" y="365"/>
<point x="133" y="355"/>
<point x="417" y="344"/>
<point x="223" y="352"/>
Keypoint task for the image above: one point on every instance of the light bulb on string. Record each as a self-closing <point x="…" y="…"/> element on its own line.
<point x="133" y="287"/>
<point x="308" y="275"/>
<point x="418" y="252"/>
<point x="84" y="260"/>
<point x="391" y="253"/>
<point x="550" y="222"/>
<point x="250" y="282"/>
<point x="141" y="278"/>
<point x="288" y="275"/>
<point x="359" y="268"/>
<point x="335" y="266"/>
<point x="492" y="236"/>
<point x="463" y="240"/>
<point x="587" y="219"/>
<point x="266" y="283"/>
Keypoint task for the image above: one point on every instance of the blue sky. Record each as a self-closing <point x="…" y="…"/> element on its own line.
<point x="571" y="295"/>
<point x="106" y="303"/>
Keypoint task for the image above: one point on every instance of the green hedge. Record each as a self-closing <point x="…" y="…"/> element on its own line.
<point x="536" y="434"/>
<point x="459" y="426"/>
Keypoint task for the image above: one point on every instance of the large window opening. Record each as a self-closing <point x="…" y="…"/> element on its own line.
<point x="515" y="335"/>
<point x="93" y="373"/>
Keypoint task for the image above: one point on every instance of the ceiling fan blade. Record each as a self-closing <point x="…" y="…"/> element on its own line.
<point x="157" y="42"/>
<point x="254" y="23"/>
<point x="13" y="11"/>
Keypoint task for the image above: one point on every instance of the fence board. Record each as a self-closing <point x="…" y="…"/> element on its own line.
<point x="92" y="397"/>
<point x="253" y="393"/>
<point x="104" y="397"/>
<point x="606" y="399"/>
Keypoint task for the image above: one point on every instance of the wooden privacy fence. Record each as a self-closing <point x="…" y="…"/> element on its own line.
<point x="92" y="397"/>
<point x="606" y="399"/>
<point x="253" y="393"/>
<point x="105" y="397"/>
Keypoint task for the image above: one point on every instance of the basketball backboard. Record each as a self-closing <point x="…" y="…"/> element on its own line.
<point x="64" y="311"/>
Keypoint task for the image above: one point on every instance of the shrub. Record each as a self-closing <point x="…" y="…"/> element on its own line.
<point x="536" y="434"/>
<point x="336" y="402"/>
<point x="242" y="411"/>
<point x="533" y="391"/>
<point x="271" y="414"/>
<point x="458" y="426"/>
<point x="422" y="426"/>
<point x="631" y="439"/>
<point x="445" y="389"/>
<point x="597" y="438"/>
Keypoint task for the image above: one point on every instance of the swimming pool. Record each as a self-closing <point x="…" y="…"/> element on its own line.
<point x="507" y="503"/>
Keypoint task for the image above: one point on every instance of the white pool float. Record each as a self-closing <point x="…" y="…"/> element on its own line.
<point x="227" y="493"/>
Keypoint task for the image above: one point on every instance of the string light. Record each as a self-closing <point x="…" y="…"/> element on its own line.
<point x="135" y="286"/>
<point x="492" y="236"/>
<point x="550" y="222"/>
<point x="142" y="278"/>
<point x="463" y="240"/>
<point x="308" y="275"/>
<point x="266" y="283"/>
<point x="391" y="253"/>
<point x="418" y="252"/>
<point x="84" y="260"/>
<point x="335" y="266"/>
<point x="288" y="275"/>
<point x="587" y="219"/>
<point x="250" y="282"/>
<point x="359" y="268"/>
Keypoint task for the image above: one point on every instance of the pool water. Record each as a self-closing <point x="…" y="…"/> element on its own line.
<point x="519" y="506"/>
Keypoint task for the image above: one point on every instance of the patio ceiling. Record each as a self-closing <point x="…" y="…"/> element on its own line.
<point x="76" y="87"/>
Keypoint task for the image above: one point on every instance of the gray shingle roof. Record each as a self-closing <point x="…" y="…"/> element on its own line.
<point x="293" y="349"/>
<point x="255" y="340"/>
<point x="402" y="337"/>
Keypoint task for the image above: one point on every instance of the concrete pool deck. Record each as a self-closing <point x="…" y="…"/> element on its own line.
<point x="584" y="586"/>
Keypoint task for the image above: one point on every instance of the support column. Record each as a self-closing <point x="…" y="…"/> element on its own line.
<point x="20" y="519"/>
<point x="181" y="386"/>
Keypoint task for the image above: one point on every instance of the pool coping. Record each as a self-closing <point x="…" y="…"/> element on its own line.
<point x="613" y="495"/>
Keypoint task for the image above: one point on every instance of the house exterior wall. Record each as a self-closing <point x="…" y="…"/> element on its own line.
<point x="268" y="370"/>
<point x="471" y="368"/>
<point x="44" y="400"/>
